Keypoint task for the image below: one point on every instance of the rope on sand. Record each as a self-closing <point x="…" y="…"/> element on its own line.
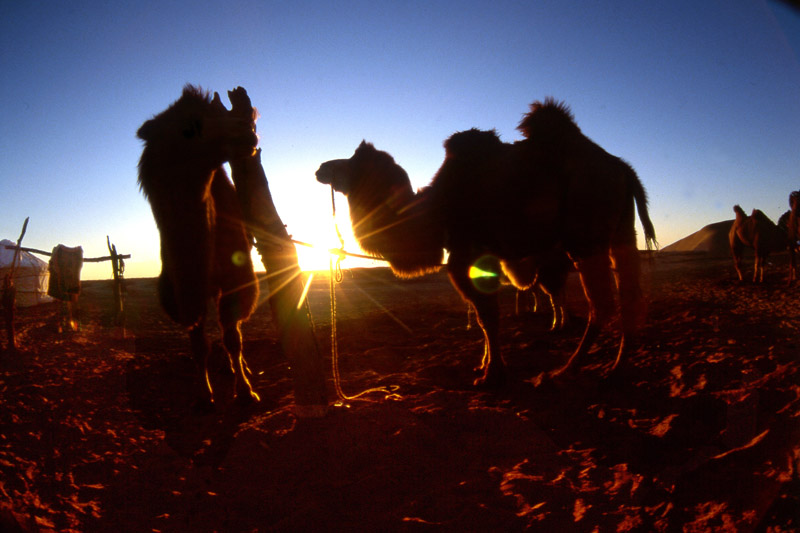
<point x="336" y="277"/>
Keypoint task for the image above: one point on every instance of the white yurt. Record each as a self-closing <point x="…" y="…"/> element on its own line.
<point x="30" y="279"/>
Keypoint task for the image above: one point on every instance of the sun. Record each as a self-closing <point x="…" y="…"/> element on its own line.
<point x="323" y="258"/>
<point x="310" y="222"/>
<point x="317" y="258"/>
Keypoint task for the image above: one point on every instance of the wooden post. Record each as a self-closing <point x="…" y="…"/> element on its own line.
<point x="278" y="254"/>
<point x="117" y="267"/>
<point x="9" y="297"/>
<point x="9" y="306"/>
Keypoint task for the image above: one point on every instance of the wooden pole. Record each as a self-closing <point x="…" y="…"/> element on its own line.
<point x="284" y="278"/>
<point x="49" y="254"/>
<point x="9" y="297"/>
<point x="117" y="267"/>
<point x="17" y="250"/>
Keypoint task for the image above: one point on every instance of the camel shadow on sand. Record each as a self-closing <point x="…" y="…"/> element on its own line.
<point x="160" y="383"/>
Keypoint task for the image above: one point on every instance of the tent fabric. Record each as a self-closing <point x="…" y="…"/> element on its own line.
<point x="31" y="278"/>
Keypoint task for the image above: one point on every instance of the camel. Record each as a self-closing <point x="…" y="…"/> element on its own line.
<point x="793" y="234"/>
<point x="205" y="248"/>
<point x="500" y="205"/>
<point x="758" y="232"/>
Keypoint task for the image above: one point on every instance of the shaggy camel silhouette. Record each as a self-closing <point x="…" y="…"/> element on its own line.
<point x="495" y="205"/>
<point x="759" y="233"/>
<point x="205" y="249"/>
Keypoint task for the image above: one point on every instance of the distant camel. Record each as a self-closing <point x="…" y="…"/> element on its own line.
<point x="793" y="233"/>
<point x="758" y="232"/>
<point x="205" y="249"/>
<point x="493" y="204"/>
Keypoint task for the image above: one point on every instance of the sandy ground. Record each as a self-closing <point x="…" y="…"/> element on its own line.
<point x="700" y="432"/>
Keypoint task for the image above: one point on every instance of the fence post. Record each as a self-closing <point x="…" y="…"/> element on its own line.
<point x="117" y="267"/>
<point x="9" y="296"/>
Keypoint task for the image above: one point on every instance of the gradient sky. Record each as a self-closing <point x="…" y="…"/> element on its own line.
<point x="702" y="98"/>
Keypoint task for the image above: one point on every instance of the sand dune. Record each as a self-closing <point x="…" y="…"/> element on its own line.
<point x="712" y="239"/>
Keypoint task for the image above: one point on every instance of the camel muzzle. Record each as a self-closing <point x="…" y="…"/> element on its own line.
<point x="323" y="177"/>
<point x="329" y="171"/>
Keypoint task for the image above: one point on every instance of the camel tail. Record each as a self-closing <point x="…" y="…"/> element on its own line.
<point x="640" y="195"/>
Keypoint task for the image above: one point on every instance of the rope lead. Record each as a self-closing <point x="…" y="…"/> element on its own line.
<point x="336" y="277"/>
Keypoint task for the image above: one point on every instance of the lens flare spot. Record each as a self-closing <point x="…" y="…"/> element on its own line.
<point x="485" y="274"/>
<point x="477" y="272"/>
<point x="239" y="258"/>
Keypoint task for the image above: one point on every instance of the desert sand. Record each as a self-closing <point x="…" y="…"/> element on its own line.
<point x="698" y="432"/>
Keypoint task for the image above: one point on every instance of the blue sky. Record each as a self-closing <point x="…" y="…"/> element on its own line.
<point x="702" y="98"/>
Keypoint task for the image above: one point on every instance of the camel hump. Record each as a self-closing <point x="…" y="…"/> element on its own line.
<point x="548" y="119"/>
<point x="759" y="215"/>
<point x="471" y="143"/>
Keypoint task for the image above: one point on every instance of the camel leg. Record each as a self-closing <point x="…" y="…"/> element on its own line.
<point x="230" y="319"/>
<point x="488" y="314"/>
<point x="595" y="274"/>
<point x="555" y="309"/>
<point x="559" y="311"/>
<point x="561" y="301"/>
<point x="756" y="265"/>
<point x="200" y="352"/>
<point x="232" y="341"/>
<point x="627" y="273"/>
<point x="525" y="301"/>
<point x="556" y="313"/>
<point x="736" y="252"/>
<point x="760" y="262"/>
<point x="557" y="299"/>
<point x="553" y="276"/>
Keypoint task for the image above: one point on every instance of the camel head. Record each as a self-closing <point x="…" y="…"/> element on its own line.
<point x="389" y="220"/>
<point x="368" y="169"/>
<point x="336" y="173"/>
<point x="200" y="128"/>
<point x="794" y="203"/>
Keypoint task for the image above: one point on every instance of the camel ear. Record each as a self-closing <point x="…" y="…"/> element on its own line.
<point x="217" y="102"/>
<point x="365" y="146"/>
<point x="145" y="131"/>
